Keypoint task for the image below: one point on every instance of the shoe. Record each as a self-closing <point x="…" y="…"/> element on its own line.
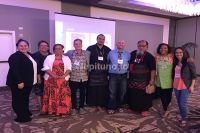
<point x="43" y="113"/>
<point x="121" y="110"/>
<point x="166" y="114"/>
<point x="64" y="115"/>
<point x="179" y="118"/>
<point x="23" y="120"/>
<point x="82" y="111"/>
<point x="30" y="114"/>
<point x="111" y="111"/>
<point x="145" y="113"/>
<point x="74" y="112"/>
<point x="183" y="124"/>
<point x="99" y="109"/>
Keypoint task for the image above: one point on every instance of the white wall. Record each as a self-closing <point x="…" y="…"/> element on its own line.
<point x="51" y="5"/>
<point x="111" y="14"/>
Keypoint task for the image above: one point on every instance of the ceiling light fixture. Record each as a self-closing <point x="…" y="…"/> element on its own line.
<point x="186" y="7"/>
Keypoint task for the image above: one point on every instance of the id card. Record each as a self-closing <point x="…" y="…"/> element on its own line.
<point x="178" y="75"/>
<point x="100" y="58"/>
<point x="77" y="63"/>
<point x="120" y="61"/>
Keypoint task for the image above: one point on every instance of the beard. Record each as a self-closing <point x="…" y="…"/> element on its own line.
<point x="140" y="52"/>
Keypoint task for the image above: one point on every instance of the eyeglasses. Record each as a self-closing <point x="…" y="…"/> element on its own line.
<point x="179" y="52"/>
<point x="142" y="45"/>
<point x="164" y="48"/>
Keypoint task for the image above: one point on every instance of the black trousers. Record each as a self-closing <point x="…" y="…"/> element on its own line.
<point x="78" y="100"/>
<point x="165" y="96"/>
<point x="20" y="102"/>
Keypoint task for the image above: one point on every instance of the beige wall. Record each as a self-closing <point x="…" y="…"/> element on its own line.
<point x="105" y="13"/>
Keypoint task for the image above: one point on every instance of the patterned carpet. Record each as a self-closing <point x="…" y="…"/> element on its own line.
<point x="101" y="122"/>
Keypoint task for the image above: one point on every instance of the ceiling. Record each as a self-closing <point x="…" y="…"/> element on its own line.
<point x="132" y="6"/>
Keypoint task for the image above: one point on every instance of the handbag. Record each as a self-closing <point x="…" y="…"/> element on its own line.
<point x="150" y="89"/>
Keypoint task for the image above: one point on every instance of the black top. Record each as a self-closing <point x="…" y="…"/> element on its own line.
<point x="140" y="69"/>
<point x="21" y="70"/>
<point x="39" y="58"/>
<point x="99" y="65"/>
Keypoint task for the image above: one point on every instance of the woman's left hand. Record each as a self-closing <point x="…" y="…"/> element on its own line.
<point x="191" y="89"/>
<point x="62" y="77"/>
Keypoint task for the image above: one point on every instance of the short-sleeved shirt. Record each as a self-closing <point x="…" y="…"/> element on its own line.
<point x="98" y="68"/>
<point x="79" y="67"/>
<point x="98" y="57"/>
<point x="39" y="58"/>
<point x="140" y="69"/>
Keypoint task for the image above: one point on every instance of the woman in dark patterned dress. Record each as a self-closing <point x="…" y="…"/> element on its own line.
<point x="57" y="95"/>
<point x="142" y="73"/>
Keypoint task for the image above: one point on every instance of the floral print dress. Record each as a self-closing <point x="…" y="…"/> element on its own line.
<point x="57" y="94"/>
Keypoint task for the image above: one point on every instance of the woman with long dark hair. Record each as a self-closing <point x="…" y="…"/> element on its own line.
<point x="164" y="64"/>
<point x="184" y="75"/>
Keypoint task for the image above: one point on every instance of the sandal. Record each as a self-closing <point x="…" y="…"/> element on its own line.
<point x="183" y="124"/>
<point x="121" y="110"/>
<point x="64" y="116"/>
<point x="165" y="114"/>
<point x="111" y="111"/>
<point x="145" y="113"/>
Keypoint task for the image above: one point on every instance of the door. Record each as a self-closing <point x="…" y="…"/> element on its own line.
<point x="7" y="47"/>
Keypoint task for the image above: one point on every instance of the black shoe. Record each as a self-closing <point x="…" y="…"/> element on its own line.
<point x="30" y="114"/>
<point x="23" y="120"/>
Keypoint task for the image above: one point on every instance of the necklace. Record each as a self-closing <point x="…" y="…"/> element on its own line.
<point x="139" y="58"/>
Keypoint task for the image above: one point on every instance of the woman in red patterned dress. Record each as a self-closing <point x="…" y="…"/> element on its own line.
<point x="57" y="95"/>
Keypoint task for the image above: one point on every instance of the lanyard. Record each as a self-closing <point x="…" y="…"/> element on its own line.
<point x="99" y="52"/>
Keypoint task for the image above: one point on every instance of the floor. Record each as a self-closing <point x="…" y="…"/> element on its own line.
<point x="101" y="122"/>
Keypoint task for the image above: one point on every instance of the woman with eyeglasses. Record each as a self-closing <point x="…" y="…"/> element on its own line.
<point x="164" y="64"/>
<point x="184" y="75"/>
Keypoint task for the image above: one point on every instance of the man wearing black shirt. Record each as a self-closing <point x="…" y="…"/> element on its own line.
<point x="43" y="52"/>
<point x="98" y="82"/>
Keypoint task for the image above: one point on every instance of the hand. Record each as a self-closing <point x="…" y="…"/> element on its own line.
<point x="54" y="76"/>
<point x="39" y="81"/>
<point x="151" y="82"/>
<point x="20" y="85"/>
<point x="62" y="77"/>
<point x="191" y="89"/>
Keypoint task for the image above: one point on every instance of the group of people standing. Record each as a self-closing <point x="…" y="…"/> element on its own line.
<point x="101" y="76"/>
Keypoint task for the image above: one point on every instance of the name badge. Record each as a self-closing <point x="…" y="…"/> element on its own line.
<point x="120" y="61"/>
<point x="77" y="63"/>
<point x="177" y="75"/>
<point x="100" y="58"/>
